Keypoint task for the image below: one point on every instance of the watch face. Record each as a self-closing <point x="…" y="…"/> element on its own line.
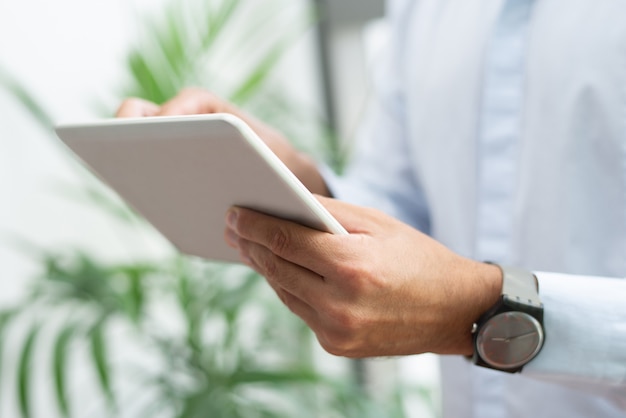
<point x="509" y="340"/>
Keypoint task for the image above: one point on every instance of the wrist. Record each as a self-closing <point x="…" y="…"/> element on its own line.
<point x="490" y="280"/>
<point x="484" y="290"/>
<point x="304" y="167"/>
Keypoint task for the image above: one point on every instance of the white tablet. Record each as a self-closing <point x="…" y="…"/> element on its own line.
<point x="182" y="174"/>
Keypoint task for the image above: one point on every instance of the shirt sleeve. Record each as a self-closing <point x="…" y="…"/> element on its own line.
<point x="585" y="326"/>
<point x="380" y="173"/>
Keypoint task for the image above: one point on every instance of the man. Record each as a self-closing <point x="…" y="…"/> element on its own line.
<point x="499" y="132"/>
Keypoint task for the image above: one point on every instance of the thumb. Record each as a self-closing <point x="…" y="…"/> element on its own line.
<point x="355" y="219"/>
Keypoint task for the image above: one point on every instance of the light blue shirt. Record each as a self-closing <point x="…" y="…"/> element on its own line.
<point x="499" y="128"/>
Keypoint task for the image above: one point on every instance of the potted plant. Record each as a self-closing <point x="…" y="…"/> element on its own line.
<point x="209" y="340"/>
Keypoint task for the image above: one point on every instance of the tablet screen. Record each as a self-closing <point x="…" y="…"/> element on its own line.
<point x="182" y="173"/>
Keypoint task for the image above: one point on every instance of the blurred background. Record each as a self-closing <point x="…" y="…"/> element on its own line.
<point x="99" y="316"/>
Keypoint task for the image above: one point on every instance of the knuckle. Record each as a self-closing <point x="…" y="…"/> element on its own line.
<point x="356" y="277"/>
<point x="278" y="241"/>
<point x="338" y="344"/>
<point x="269" y="265"/>
<point x="346" y="322"/>
<point x="332" y="349"/>
<point x="350" y="271"/>
<point x="341" y="335"/>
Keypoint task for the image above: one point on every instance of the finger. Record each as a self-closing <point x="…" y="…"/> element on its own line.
<point x="197" y="101"/>
<point x="193" y="101"/>
<point x="267" y="264"/>
<point x="300" y="282"/>
<point x="134" y="107"/>
<point x="355" y="219"/>
<point x="295" y="305"/>
<point x="314" y="250"/>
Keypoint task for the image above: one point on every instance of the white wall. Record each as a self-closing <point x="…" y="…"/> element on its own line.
<point x="67" y="53"/>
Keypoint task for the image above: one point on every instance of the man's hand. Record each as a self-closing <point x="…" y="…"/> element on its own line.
<point x="192" y="101"/>
<point x="386" y="289"/>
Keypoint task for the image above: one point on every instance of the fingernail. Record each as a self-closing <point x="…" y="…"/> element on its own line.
<point x="231" y="218"/>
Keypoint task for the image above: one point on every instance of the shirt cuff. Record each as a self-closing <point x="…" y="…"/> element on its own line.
<point x="585" y="328"/>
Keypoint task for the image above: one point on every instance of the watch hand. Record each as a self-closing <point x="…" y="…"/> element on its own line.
<point x="528" y="334"/>
<point x="515" y="337"/>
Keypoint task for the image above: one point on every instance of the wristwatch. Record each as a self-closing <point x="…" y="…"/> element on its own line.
<point x="511" y="333"/>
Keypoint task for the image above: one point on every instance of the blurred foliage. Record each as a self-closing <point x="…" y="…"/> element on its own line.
<point x="217" y="342"/>
<point x="191" y="46"/>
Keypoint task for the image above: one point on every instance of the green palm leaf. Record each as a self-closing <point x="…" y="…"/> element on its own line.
<point x="60" y="367"/>
<point x="25" y="369"/>
<point x="5" y="318"/>
<point x="99" y="356"/>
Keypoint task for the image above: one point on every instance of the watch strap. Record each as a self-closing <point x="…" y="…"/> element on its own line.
<point x="519" y="284"/>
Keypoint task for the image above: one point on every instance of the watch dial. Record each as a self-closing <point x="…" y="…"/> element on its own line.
<point x="509" y="340"/>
